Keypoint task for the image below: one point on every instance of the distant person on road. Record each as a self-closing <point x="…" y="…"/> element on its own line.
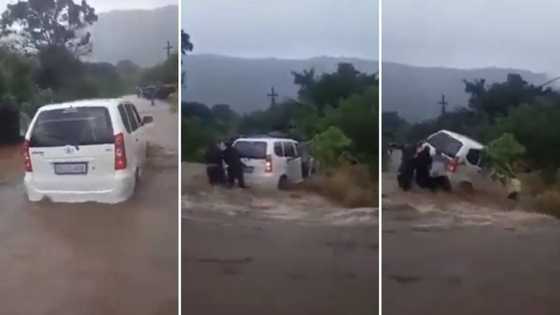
<point x="235" y="166"/>
<point x="214" y="165"/>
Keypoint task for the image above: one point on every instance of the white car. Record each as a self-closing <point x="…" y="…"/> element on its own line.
<point x="270" y="162"/>
<point x="85" y="151"/>
<point x="454" y="155"/>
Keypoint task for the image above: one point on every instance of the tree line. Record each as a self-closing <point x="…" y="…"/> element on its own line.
<point x="42" y="58"/>
<point x="337" y="113"/>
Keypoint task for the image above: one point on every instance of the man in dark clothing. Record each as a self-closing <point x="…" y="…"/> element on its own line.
<point x="214" y="165"/>
<point x="235" y="166"/>
<point x="423" y="167"/>
<point x="406" y="169"/>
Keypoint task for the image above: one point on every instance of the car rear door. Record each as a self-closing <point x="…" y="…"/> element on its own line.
<point x="143" y="135"/>
<point x="140" y="133"/>
<point x="72" y="149"/>
<point x="132" y="139"/>
<point x="293" y="162"/>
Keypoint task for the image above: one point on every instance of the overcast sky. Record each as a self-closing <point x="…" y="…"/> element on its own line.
<point x="475" y="33"/>
<point x="285" y="29"/>
<point x="108" y="5"/>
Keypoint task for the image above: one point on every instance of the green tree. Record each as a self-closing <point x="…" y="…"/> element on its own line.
<point x="329" y="145"/>
<point x="39" y="24"/>
<point x="497" y="99"/>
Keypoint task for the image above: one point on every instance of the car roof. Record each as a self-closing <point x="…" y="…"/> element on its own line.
<point x="265" y="139"/>
<point x="466" y="140"/>
<point x="109" y="103"/>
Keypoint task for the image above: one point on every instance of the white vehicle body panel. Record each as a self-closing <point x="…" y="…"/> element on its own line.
<point x="282" y="165"/>
<point x="96" y="179"/>
<point x="466" y="170"/>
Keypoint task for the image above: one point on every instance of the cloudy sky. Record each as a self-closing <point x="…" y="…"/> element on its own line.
<point x="285" y="29"/>
<point x="475" y="33"/>
<point x="108" y="5"/>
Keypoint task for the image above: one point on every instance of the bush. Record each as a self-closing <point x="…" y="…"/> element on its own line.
<point x="329" y="145"/>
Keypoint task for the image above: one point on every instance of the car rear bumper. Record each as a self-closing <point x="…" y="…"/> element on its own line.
<point x="120" y="190"/>
<point x="262" y="181"/>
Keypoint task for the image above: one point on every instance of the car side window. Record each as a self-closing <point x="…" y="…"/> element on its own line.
<point x="124" y="118"/>
<point x="289" y="149"/>
<point x="136" y="115"/>
<point x="132" y="117"/>
<point x="278" y="150"/>
<point x="474" y="156"/>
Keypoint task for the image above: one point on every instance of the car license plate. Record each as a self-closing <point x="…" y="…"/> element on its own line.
<point x="248" y="169"/>
<point x="79" y="168"/>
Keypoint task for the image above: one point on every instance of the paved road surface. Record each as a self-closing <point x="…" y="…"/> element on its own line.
<point x="95" y="259"/>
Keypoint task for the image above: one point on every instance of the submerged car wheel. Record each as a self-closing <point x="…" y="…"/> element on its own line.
<point x="283" y="182"/>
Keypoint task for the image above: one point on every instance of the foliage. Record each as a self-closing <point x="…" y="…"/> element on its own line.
<point x="202" y="125"/>
<point x="500" y="154"/>
<point x="331" y="88"/>
<point x="165" y="73"/>
<point x="39" y="24"/>
<point x="356" y="116"/>
<point x="536" y="127"/>
<point x="329" y="145"/>
<point x="497" y="99"/>
<point x="186" y="44"/>
<point x="195" y="138"/>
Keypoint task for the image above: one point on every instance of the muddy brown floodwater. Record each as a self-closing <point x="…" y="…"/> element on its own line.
<point x="69" y="259"/>
<point x="270" y="252"/>
<point x="463" y="254"/>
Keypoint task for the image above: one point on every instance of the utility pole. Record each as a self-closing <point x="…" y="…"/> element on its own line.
<point x="443" y="104"/>
<point x="168" y="48"/>
<point x="272" y="96"/>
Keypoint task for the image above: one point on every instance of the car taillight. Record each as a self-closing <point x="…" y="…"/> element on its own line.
<point x="453" y="165"/>
<point x="27" y="156"/>
<point x="268" y="164"/>
<point x="120" y="152"/>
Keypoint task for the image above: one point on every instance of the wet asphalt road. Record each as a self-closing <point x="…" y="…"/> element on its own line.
<point x="243" y="265"/>
<point x="65" y="259"/>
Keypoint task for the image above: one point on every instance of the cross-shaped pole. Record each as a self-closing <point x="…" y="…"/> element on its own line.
<point x="272" y="96"/>
<point x="168" y="48"/>
<point x="443" y="104"/>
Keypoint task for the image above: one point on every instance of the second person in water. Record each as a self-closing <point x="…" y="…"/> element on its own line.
<point x="219" y="154"/>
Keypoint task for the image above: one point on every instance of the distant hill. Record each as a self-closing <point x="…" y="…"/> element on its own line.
<point x="137" y="35"/>
<point x="245" y="83"/>
<point x="415" y="91"/>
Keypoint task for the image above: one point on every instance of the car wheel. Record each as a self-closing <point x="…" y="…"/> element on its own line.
<point x="283" y="182"/>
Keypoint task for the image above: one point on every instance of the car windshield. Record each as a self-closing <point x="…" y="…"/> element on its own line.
<point x="445" y="144"/>
<point x="251" y="149"/>
<point x="72" y="126"/>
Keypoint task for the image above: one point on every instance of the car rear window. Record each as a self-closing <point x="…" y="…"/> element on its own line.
<point x="251" y="149"/>
<point x="72" y="126"/>
<point x="445" y="143"/>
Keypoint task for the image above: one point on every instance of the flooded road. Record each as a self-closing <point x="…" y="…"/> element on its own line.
<point x="91" y="258"/>
<point x="270" y="252"/>
<point x="474" y="253"/>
